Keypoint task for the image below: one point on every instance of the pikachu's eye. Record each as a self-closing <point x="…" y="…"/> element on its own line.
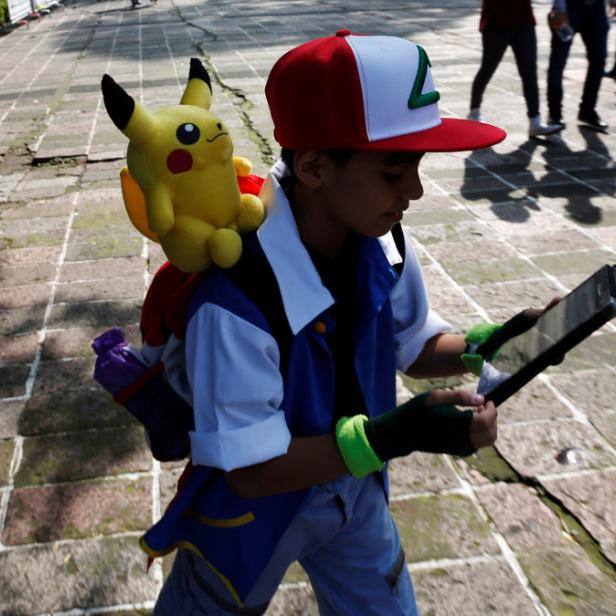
<point x="187" y="134"/>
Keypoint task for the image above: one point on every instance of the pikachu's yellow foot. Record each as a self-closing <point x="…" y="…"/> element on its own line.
<point x="242" y="166"/>
<point x="225" y="247"/>
<point x="251" y="213"/>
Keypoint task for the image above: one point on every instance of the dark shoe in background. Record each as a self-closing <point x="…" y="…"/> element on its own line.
<point x="557" y="121"/>
<point x="591" y="119"/>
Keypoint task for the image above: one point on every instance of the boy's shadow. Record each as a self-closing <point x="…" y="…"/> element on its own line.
<point x="574" y="176"/>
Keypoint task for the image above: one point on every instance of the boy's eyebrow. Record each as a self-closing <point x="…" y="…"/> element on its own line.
<point x="399" y="158"/>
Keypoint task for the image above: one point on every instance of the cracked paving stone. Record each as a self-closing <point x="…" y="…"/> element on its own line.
<point x="85" y="573"/>
<point x="447" y="526"/>
<point x="520" y="516"/>
<point x="590" y="498"/>
<point x="567" y="581"/>
<point x="532" y="449"/>
<point x="77" y="510"/>
<point x="481" y="588"/>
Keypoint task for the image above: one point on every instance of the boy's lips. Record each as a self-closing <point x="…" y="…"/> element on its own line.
<point x="397" y="214"/>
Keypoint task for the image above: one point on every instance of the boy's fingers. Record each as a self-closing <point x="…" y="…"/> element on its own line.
<point x="454" y="397"/>
<point x="484" y="418"/>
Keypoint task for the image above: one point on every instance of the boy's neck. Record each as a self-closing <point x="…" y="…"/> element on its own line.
<point x="317" y="229"/>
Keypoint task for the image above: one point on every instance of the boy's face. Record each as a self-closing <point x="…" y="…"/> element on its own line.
<point x="369" y="193"/>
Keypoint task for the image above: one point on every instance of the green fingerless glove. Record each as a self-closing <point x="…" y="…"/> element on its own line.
<point x="365" y="444"/>
<point x="484" y="340"/>
<point x="476" y="336"/>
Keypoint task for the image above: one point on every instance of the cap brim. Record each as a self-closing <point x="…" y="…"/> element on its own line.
<point x="451" y="135"/>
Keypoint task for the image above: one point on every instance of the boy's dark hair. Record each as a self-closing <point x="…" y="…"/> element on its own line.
<point x="340" y="157"/>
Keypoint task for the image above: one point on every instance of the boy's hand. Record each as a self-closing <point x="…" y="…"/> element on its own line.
<point x="428" y="422"/>
<point x="482" y="431"/>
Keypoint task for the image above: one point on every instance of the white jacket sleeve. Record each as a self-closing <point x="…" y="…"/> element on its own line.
<point x="414" y="322"/>
<point x="233" y="371"/>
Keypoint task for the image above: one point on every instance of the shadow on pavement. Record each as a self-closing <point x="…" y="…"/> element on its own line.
<point x="576" y="176"/>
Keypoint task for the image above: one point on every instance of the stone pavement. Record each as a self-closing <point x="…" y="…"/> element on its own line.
<point x="522" y="528"/>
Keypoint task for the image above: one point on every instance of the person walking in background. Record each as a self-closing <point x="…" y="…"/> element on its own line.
<point x="612" y="72"/>
<point x="503" y="25"/>
<point x="589" y="18"/>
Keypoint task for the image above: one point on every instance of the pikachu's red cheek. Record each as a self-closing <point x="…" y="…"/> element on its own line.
<point x="179" y="161"/>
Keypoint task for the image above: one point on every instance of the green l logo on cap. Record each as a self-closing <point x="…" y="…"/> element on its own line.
<point x="417" y="99"/>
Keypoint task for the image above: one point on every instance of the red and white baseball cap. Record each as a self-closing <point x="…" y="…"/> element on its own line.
<point x="364" y="92"/>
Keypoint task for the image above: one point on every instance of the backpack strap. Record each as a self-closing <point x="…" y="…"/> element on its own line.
<point x="254" y="275"/>
<point x="398" y="236"/>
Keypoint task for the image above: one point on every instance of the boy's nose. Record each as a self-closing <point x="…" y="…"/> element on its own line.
<point x="411" y="187"/>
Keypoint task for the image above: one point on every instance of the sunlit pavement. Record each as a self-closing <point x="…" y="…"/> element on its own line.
<point x="527" y="528"/>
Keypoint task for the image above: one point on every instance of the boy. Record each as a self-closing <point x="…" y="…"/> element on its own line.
<point x="294" y="396"/>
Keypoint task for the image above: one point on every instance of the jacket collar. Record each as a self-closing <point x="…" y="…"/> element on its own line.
<point x="303" y="294"/>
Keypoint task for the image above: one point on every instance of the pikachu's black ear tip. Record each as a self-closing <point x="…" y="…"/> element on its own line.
<point x="197" y="71"/>
<point x="119" y="104"/>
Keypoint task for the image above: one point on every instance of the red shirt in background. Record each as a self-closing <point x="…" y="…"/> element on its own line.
<point x="504" y="13"/>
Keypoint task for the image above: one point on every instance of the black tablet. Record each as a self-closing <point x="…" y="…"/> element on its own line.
<point x="555" y="332"/>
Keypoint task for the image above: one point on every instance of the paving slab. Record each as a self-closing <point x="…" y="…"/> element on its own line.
<point x="438" y="527"/>
<point x="567" y="581"/>
<point x="536" y="449"/>
<point x="480" y="587"/>
<point x="590" y="498"/>
<point x="77" y="510"/>
<point x="60" y="576"/>
<point x="496" y="231"/>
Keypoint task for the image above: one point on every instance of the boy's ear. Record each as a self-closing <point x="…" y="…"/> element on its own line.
<point x="311" y="168"/>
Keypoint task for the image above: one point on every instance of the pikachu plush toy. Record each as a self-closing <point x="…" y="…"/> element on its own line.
<point x="180" y="186"/>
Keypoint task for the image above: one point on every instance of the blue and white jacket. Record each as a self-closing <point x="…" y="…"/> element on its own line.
<point x="247" y="409"/>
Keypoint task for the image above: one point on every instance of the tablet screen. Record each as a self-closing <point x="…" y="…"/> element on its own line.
<point x="576" y="316"/>
<point x="552" y="326"/>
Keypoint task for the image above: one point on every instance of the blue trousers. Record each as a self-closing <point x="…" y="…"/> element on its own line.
<point x="346" y="540"/>
<point x="592" y="24"/>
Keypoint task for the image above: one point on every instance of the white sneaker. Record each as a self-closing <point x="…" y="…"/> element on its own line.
<point x="474" y="114"/>
<point x="536" y="129"/>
